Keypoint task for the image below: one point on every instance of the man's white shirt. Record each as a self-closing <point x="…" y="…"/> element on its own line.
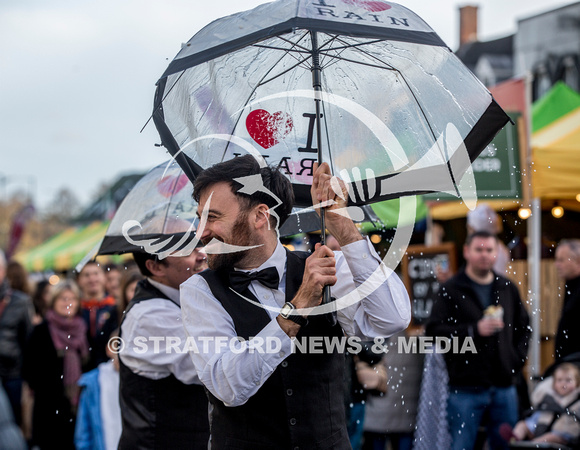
<point x="235" y="374"/>
<point x="148" y="331"/>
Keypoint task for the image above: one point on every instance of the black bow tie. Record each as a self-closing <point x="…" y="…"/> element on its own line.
<point x="241" y="280"/>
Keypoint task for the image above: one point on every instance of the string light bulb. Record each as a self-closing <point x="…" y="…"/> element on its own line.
<point x="524" y="213"/>
<point x="557" y="211"/>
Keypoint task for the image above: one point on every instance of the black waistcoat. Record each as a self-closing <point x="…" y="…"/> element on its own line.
<point x="301" y="405"/>
<point x="160" y="414"/>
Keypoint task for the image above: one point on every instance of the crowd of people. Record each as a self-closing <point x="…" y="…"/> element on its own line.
<point x="65" y="386"/>
<point x="53" y="342"/>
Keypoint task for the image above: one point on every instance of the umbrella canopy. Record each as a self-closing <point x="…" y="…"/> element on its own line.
<point x="159" y="215"/>
<point x="158" y="210"/>
<point x="367" y="84"/>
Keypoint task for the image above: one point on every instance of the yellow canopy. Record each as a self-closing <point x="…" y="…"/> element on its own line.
<point x="556" y="157"/>
<point x="456" y="210"/>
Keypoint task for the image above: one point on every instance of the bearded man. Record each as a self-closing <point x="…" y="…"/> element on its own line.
<point x="262" y="394"/>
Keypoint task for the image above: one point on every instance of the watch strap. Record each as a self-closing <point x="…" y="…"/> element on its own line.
<point x="293" y="316"/>
<point x="297" y="318"/>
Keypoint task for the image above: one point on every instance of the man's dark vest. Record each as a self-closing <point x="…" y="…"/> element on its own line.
<point x="301" y="405"/>
<point x="160" y="414"/>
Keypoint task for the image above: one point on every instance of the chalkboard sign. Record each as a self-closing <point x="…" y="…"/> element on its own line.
<point x="420" y="265"/>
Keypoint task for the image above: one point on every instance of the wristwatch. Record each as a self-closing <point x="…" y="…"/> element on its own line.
<point x="288" y="312"/>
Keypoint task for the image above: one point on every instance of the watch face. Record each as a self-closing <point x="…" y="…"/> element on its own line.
<point x="286" y="310"/>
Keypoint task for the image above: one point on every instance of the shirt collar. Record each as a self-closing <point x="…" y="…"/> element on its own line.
<point x="171" y="293"/>
<point x="277" y="260"/>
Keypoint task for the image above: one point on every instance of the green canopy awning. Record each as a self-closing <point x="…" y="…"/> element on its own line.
<point x="63" y="251"/>
<point x="388" y="211"/>
<point x="557" y="102"/>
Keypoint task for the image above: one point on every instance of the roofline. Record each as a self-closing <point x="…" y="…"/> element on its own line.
<point x="547" y="11"/>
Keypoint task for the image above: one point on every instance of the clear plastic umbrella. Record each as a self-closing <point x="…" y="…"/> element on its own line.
<point x="159" y="215"/>
<point x="158" y="212"/>
<point x="366" y="86"/>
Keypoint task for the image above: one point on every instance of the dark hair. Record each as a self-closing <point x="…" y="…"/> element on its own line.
<point x="141" y="258"/>
<point x="479" y="234"/>
<point x="109" y="267"/>
<point x="90" y="263"/>
<point x="18" y="277"/>
<point x="128" y="277"/>
<point x="38" y="301"/>
<point x="244" y="166"/>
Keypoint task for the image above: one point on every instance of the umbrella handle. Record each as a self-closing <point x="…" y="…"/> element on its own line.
<point x="326" y="291"/>
<point x="326" y="295"/>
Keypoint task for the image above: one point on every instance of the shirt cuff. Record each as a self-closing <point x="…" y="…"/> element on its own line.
<point x="276" y="344"/>
<point x="363" y="253"/>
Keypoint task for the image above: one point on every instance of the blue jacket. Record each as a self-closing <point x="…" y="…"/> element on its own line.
<point x="88" y="430"/>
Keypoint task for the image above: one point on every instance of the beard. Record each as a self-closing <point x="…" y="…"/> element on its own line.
<point x="241" y="235"/>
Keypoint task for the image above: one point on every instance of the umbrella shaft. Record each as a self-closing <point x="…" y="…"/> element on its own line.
<point x="317" y="86"/>
<point x="316" y="69"/>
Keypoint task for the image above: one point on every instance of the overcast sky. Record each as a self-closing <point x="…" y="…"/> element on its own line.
<point x="77" y="79"/>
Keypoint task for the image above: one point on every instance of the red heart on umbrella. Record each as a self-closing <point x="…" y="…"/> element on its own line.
<point x="268" y="129"/>
<point x="369" y="5"/>
<point x="171" y="184"/>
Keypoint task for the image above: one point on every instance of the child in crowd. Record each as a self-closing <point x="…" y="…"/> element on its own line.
<point x="557" y="409"/>
<point x="98" y="425"/>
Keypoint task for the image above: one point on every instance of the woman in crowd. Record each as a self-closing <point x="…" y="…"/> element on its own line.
<point x="53" y="359"/>
<point x="41" y="300"/>
<point x="18" y="277"/>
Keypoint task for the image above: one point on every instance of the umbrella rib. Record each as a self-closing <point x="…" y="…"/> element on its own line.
<point x="293" y="44"/>
<point x="296" y="44"/>
<point x="330" y="160"/>
<point x="290" y="52"/>
<point x="408" y="87"/>
<point x="356" y="47"/>
<point x="385" y="66"/>
<point x="260" y="83"/>
<point x="336" y="58"/>
<point x="287" y="50"/>
<point x="341" y="49"/>
<point x="389" y="67"/>
<point x="300" y="62"/>
<point x="162" y="100"/>
<point x="346" y="45"/>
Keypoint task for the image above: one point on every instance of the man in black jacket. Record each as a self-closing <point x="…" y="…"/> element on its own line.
<point x="568" y="267"/>
<point x="484" y="307"/>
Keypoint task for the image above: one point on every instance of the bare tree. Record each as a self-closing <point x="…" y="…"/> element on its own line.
<point x="64" y="207"/>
